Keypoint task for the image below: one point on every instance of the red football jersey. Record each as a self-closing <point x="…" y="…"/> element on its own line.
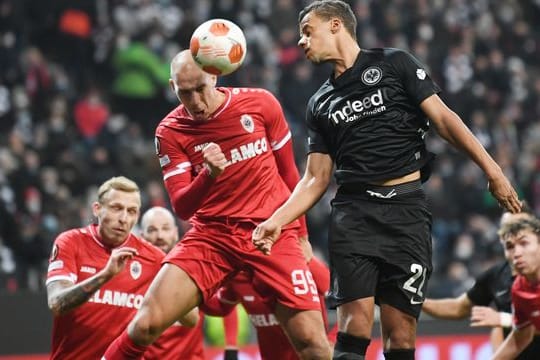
<point x="526" y="303"/>
<point x="248" y="126"/>
<point x="85" y="332"/>
<point x="178" y="342"/>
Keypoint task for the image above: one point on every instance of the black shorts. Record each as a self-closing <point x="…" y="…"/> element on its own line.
<point x="380" y="245"/>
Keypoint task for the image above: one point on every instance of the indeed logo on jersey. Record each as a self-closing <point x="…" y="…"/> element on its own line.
<point x="117" y="298"/>
<point x="357" y="109"/>
<point x="263" y="320"/>
<point x="248" y="151"/>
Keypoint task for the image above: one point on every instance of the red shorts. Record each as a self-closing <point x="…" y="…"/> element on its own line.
<point x="213" y="252"/>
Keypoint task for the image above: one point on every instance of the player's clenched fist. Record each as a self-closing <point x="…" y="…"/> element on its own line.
<point x="118" y="260"/>
<point x="214" y="159"/>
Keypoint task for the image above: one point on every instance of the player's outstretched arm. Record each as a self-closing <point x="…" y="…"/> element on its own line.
<point x="306" y="193"/>
<point x="449" y="308"/>
<point x="451" y="128"/>
<point x="64" y="296"/>
<point x="515" y="343"/>
<point x="496" y="337"/>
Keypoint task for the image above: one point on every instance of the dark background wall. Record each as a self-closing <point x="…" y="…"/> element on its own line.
<point x="26" y="324"/>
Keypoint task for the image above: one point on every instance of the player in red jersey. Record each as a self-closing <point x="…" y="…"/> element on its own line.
<point x="98" y="274"/>
<point x="177" y="342"/>
<point x="523" y="236"/>
<point x="259" y="304"/>
<point x="227" y="163"/>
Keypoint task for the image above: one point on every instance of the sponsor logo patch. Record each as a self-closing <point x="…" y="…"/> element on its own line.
<point x="55" y="265"/>
<point x="164" y="160"/>
<point x="421" y="74"/>
<point x="88" y="269"/>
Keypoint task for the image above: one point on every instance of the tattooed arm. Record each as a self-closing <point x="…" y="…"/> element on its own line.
<point x="64" y="296"/>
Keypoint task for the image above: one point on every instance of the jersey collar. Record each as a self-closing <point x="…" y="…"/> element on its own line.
<point x="94" y="232"/>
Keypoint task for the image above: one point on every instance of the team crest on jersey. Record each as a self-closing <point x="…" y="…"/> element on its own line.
<point x="157" y="145"/>
<point x="372" y="75"/>
<point x="247" y="123"/>
<point x="135" y="269"/>
<point x="421" y="74"/>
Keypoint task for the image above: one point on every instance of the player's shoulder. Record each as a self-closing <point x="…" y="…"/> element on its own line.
<point x="147" y="248"/>
<point x="73" y="235"/>
<point x="172" y="120"/>
<point x="323" y="89"/>
<point x="250" y="93"/>
<point x="499" y="270"/>
<point x="392" y="54"/>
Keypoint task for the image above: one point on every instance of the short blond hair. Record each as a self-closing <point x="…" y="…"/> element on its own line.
<point x="513" y="227"/>
<point x="120" y="183"/>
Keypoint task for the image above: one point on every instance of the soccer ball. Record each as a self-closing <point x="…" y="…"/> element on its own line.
<point x="218" y="46"/>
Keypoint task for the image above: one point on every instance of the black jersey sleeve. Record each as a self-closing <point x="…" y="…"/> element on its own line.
<point x="480" y="293"/>
<point x="414" y="75"/>
<point x="316" y="142"/>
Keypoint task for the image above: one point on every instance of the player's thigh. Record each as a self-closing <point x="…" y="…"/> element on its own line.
<point x="398" y="328"/>
<point x="204" y="257"/>
<point x="171" y="295"/>
<point x="303" y="327"/>
<point x="285" y="274"/>
<point x="356" y="317"/>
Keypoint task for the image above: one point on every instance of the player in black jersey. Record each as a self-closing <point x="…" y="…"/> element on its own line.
<point x="492" y="286"/>
<point x="369" y="120"/>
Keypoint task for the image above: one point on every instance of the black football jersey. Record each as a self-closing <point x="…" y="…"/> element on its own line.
<point x="493" y="286"/>
<point x="368" y="119"/>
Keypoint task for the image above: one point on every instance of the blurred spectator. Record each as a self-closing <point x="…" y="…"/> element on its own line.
<point x="83" y="84"/>
<point x="141" y="78"/>
<point x="90" y="114"/>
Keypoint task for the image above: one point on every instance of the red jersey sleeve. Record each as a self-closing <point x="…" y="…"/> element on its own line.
<point x="281" y="142"/>
<point x="186" y="193"/>
<point x="62" y="262"/>
<point x="276" y="126"/>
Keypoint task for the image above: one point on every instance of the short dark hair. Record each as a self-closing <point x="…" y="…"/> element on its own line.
<point x="327" y="9"/>
<point x="513" y="227"/>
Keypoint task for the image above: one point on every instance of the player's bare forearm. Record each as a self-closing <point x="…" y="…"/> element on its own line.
<point x="496" y="338"/>
<point x="308" y="191"/>
<point x="451" y="308"/>
<point x="64" y="296"/>
<point x="515" y="343"/>
<point x="450" y="127"/>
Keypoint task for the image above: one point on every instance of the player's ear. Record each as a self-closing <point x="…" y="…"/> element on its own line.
<point x="171" y="84"/>
<point x="335" y="25"/>
<point x="96" y="206"/>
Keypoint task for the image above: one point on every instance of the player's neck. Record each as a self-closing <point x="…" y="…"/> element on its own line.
<point x="534" y="278"/>
<point x="348" y="52"/>
<point x="218" y="101"/>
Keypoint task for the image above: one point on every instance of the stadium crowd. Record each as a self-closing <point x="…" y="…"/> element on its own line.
<point x="84" y="83"/>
